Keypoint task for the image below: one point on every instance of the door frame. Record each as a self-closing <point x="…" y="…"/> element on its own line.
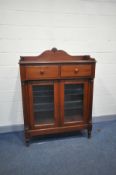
<point x="85" y="103"/>
<point x="56" y="104"/>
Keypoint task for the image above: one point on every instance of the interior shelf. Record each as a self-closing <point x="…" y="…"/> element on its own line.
<point x="45" y="117"/>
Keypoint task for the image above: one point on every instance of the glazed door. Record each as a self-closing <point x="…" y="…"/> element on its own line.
<point x="74" y="102"/>
<point x="43" y="104"/>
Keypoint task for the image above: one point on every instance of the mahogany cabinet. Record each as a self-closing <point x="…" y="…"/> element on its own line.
<point x="57" y="91"/>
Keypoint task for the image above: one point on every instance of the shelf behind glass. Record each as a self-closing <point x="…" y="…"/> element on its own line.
<point x="73" y="115"/>
<point x="44" y="117"/>
<point x="43" y="104"/>
<point x="43" y="99"/>
<point x="73" y="97"/>
<point x="43" y="107"/>
<point x="73" y="102"/>
<point x="73" y="105"/>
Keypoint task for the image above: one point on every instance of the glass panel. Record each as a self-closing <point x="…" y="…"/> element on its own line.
<point x="73" y="102"/>
<point x="43" y="104"/>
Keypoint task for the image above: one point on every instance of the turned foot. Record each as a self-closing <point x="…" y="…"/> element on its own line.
<point x="89" y="132"/>
<point x="27" y="142"/>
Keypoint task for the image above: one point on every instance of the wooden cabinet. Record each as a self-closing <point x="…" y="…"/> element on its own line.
<point x="57" y="91"/>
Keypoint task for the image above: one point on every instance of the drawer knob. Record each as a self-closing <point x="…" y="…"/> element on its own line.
<point x="41" y="72"/>
<point x="76" y="70"/>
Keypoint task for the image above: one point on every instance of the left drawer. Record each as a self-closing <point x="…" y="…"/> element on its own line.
<point x="41" y="72"/>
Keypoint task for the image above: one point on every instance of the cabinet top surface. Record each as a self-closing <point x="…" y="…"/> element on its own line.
<point x="55" y="56"/>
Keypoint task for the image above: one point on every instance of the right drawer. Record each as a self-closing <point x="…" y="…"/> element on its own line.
<point x="75" y="70"/>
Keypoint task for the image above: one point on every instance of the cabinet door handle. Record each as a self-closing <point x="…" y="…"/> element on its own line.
<point x="76" y="70"/>
<point x="41" y="72"/>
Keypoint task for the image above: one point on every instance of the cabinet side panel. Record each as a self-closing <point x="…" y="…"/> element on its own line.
<point x="93" y="70"/>
<point x="90" y="100"/>
<point x="25" y="102"/>
<point x="22" y="72"/>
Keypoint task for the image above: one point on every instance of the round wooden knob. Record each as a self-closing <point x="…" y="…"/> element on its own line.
<point x="76" y="70"/>
<point x="41" y="72"/>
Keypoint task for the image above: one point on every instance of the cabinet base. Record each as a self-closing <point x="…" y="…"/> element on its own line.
<point x="39" y="132"/>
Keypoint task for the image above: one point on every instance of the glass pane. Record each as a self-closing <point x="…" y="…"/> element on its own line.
<point x="43" y="104"/>
<point x="73" y="102"/>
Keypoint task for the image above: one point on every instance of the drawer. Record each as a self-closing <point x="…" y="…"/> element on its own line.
<point x="75" y="70"/>
<point x="40" y="72"/>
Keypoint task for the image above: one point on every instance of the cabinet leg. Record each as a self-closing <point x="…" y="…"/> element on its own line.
<point x="27" y="138"/>
<point x="89" y="132"/>
<point x="27" y="142"/>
